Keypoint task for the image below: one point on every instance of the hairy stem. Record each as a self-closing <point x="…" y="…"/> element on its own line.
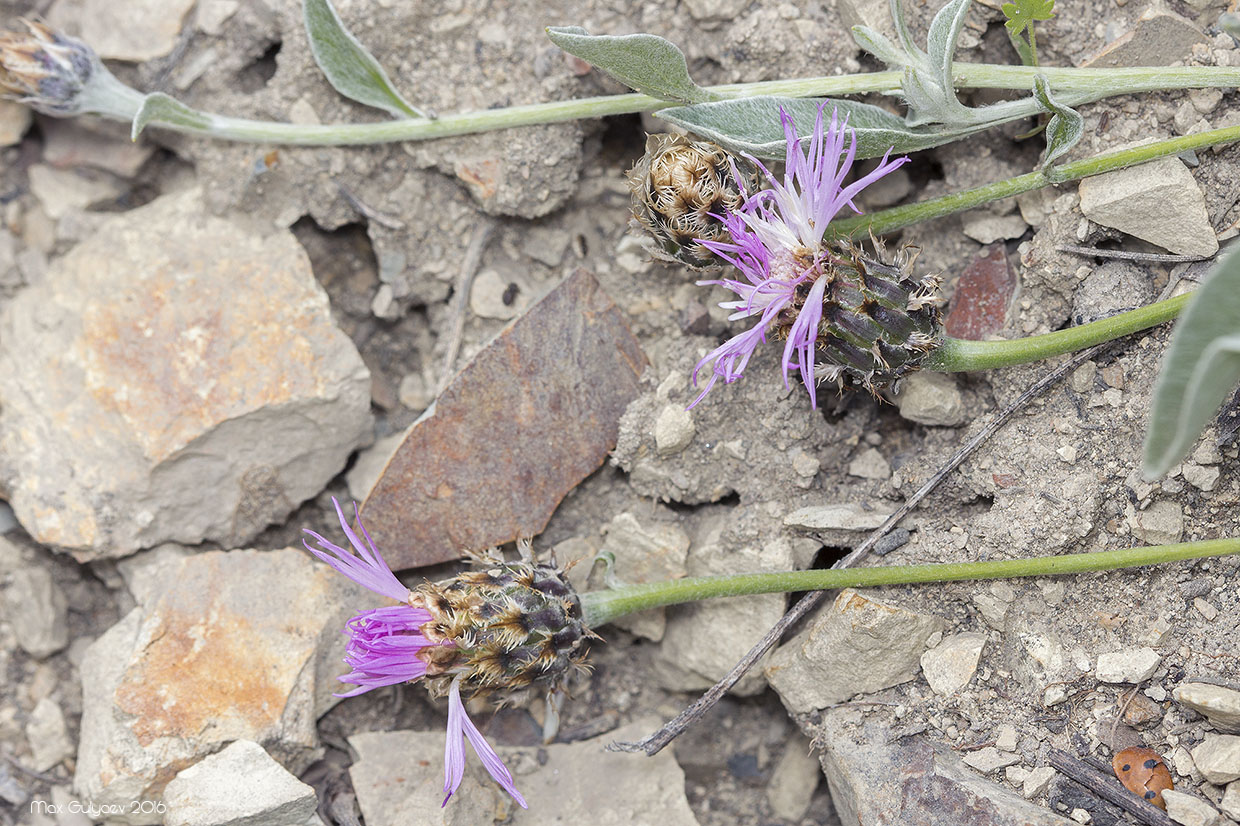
<point x="955" y="355"/>
<point x="601" y="607"/>
<point x="889" y="220"/>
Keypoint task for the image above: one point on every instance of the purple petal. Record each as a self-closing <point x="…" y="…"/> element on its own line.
<point x="367" y="568"/>
<point x="383" y="648"/>
<point x="454" y="754"/>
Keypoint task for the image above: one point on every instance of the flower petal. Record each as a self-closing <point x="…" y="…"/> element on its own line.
<point x="367" y="568"/>
<point x="454" y="755"/>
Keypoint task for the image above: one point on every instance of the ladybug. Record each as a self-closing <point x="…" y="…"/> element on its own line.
<point x="1143" y="773"/>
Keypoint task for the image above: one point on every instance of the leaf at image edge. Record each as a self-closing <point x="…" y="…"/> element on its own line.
<point x="349" y="67"/>
<point x="646" y="63"/>
<point x="1201" y="367"/>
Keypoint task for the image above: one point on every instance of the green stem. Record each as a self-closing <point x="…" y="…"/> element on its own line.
<point x="889" y="220"/>
<point x="601" y="607"/>
<point x="1078" y="85"/>
<point x="955" y="355"/>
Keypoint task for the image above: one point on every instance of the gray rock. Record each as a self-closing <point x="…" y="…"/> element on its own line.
<point x="499" y="296"/>
<point x="35" y="606"/>
<point x="877" y="776"/>
<point x="47" y="735"/>
<point x="1131" y="665"/>
<point x="856" y="645"/>
<point x="673" y="430"/>
<point x="644" y="551"/>
<point x="238" y="786"/>
<point x="1219" y="704"/>
<point x="62" y="190"/>
<point x="986" y="228"/>
<point x="1158" y="202"/>
<point x="1115" y="286"/>
<point x="844" y="516"/>
<point x="1159" y="38"/>
<point x="1218" y="758"/>
<point x="140" y="31"/>
<point x="1037" y="781"/>
<point x="1162" y="523"/>
<point x="990" y="759"/>
<point x="794" y="780"/>
<point x="101" y="145"/>
<point x="1202" y="478"/>
<point x="238" y="645"/>
<point x="950" y="665"/>
<point x="1189" y="810"/>
<point x="870" y="464"/>
<point x="182" y="354"/>
<point x="14" y="121"/>
<point x="398" y="777"/>
<point x="1230" y="804"/>
<point x="931" y="399"/>
<point x="705" y="639"/>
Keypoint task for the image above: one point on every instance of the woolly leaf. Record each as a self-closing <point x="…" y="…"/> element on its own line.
<point x="645" y="62"/>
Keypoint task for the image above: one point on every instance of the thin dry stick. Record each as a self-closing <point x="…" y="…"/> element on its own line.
<point x="1108" y="788"/>
<point x="1145" y="257"/>
<point x="464" y="283"/>
<point x="653" y="744"/>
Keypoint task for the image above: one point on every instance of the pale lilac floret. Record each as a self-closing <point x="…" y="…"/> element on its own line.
<point x="459" y="728"/>
<point x="385" y="644"/>
<point x="777" y="244"/>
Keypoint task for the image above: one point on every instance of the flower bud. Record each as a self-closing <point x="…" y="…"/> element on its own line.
<point x="681" y="191"/>
<point x="45" y="68"/>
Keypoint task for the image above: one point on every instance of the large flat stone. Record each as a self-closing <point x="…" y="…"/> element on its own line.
<point x="534" y="413"/>
<point x="398" y="778"/>
<point x="175" y="377"/>
<point x="239" y="786"/>
<point x="237" y="645"/>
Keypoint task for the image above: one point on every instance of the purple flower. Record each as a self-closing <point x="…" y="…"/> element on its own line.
<point x="777" y="244"/>
<point x="387" y="646"/>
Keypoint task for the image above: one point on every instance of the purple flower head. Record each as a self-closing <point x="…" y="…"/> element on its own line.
<point x="390" y="645"/>
<point x="777" y="244"/>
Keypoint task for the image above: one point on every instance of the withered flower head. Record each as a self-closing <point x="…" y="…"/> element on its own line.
<point x="681" y="191"/>
<point x="46" y="69"/>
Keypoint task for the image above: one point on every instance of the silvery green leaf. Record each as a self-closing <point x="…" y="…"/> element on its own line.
<point x="160" y="108"/>
<point x="645" y="62"/>
<point x="349" y="67"/>
<point x="878" y="45"/>
<point x="1065" y="126"/>
<point x="1200" y="369"/>
<point x="906" y="37"/>
<point x="925" y="98"/>
<point x="752" y="125"/>
<point x="941" y="40"/>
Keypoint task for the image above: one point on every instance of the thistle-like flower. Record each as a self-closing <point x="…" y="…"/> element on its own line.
<point x="681" y="189"/>
<point x="867" y="321"/>
<point x="60" y="75"/>
<point x="507" y="627"/>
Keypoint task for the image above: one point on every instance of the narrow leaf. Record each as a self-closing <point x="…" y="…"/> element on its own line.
<point x="906" y="37"/>
<point x="942" y="37"/>
<point x="878" y="45"/>
<point x="644" y="62"/>
<point x="752" y="125"/>
<point x="159" y="108"/>
<point x="1065" y="126"/>
<point x="349" y="67"/>
<point x="1200" y="369"/>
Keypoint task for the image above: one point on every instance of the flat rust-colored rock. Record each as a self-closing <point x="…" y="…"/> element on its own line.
<point x="983" y="295"/>
<point x="532" y="415"/>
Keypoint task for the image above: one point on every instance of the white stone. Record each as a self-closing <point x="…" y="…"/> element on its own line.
<point x="1218" y="758"/>
<point x="931" y="399"/>
<point x="950" y="665"/>
<point x="794" y="780"/>
<point x="1162" y="523"/>
<point x="238" y="786"/>
<point x="1219" y="704"/>
<point x="986" y="229"/>
<point x="1038" y="781"/>
<point x="854" y="646"/>
<point x="673" y="429"/>
<point x="870" y="464"/>
<point x="1202" y="478"/>
<point x="1158" y="201"/>
<point x="175" y="377"/>
<point x="63" y="190"/>
<point x="138" y="30"/>
<point x="35" y="606"/>
<point x="645" y="551"/>
<point x="14" y="121"/>
<point x="498" y="296"/>
<point x="1131" y="665"/>
<point x="990" y="759"/>
<point x="1189" y="810"/>
<point x="1005" y="740"/>
<point x="1230" y="804"/>
<point x="844" y="517"/>
<point x="1081" y="816"/>
<point x="47" y="735"/>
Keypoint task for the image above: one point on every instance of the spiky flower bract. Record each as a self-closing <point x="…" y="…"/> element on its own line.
<point x="867" y="321"/>
<point x="60" y="75"/>
<point x="508" y="627"/>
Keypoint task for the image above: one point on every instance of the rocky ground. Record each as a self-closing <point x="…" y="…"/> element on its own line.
<point x="202" y="343"/>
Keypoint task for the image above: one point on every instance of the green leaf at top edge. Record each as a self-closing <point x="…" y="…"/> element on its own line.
<point x="349" y="67"/>
<point x="644" y="62"/>
<point x="1201" y="367"/>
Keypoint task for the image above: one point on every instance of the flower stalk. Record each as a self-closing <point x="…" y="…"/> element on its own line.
<point x="601" y="607"/>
